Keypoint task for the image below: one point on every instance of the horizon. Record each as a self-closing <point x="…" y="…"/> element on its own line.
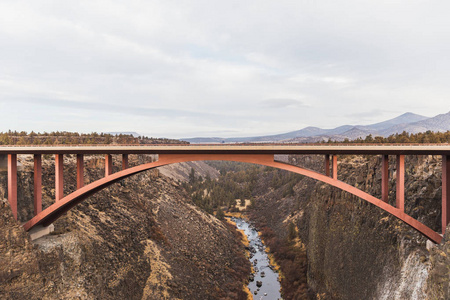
<point x="243" y="136"/>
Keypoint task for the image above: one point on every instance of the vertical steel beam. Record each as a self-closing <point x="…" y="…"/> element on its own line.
<point x="327" y="164"/>
<point x="37" y="184"/>
<point x="108" y="165"/>
<point x="12" y="183"/>
<point x="124" y="161"/>
<point x="335" y="170"/>
<point x="445" y="191"/>
<point x="385" y="178"/>
<point x="400" y="196"/>
<point x="59" y="177"/>
<point x="80" y="171"/>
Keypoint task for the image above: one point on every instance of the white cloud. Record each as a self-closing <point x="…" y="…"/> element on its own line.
<point x="183" y="69"/>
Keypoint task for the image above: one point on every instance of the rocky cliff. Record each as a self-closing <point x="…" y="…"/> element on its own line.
<point x="139" y="239"/>
<point x="354" y="249"/>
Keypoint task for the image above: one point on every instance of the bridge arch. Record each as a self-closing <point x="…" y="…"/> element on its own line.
<point x="56" y="210"/>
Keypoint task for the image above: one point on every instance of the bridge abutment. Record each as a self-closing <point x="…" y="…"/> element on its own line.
<point x="40" y="231"/>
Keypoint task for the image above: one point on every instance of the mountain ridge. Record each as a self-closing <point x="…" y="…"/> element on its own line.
<point x="409" y="122"/>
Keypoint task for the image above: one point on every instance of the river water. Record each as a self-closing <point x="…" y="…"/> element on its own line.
<point x="270" y="286"/>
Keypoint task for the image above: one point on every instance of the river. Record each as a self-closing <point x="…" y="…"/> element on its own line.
<point x="270" y="286"/>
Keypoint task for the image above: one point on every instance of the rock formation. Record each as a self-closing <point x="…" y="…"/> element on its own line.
<point x="139" y="239"/>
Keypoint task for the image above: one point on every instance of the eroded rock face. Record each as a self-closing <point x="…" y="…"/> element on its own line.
<point x="138" y="239"/>
<point x="20" y="271"/>
<point x="356" y="250"/>
<point x="438" y="283"/>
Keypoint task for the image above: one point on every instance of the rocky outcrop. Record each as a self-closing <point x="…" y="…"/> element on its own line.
<point x="355" y="250"/>
<point x="438" y="281"/>
<point x="139" y="239"/>
<point x="180" y="171"/>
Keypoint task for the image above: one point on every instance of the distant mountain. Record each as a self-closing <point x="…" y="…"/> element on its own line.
<point x="357" y="132"/>
<point x="305" y="132"/>
<point x="302" y="134"/>
<point x="403" y="119"/>
<point x="409" y="122"/>
<point x="340" y="129"/>
<point x="437" y="123"/>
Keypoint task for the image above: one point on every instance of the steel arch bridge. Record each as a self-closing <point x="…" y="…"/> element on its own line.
<point x="256" y="154"/>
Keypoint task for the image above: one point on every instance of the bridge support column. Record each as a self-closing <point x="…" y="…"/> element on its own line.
<point x="12" y="183"/>
<point x="335" y="171"/>
<point x="59" y="177"/>
<point x="445" y="191"/>
<point x="327" y="165"/>
<point x="108" y="164"/>
<point x="400" y="183"/>
<point x="37" y="184"/>
<point x="125" y="161"/>
<point x="80" y="171"/>
<point x="385" y="178"/>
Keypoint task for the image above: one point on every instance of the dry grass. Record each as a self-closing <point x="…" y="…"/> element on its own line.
<point x="237" y="215"/>
<point x="272" y="261"/>
<point x="248" y="292"/>
<point x="244" y="238"/>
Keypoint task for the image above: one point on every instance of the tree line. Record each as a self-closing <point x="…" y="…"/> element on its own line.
<point x="215" y="195"/>
<point x="236" y="181"/>
<point x="75" y="138"/>
<point x="428" y="137"/>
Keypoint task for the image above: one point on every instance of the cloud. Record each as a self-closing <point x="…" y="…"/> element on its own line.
<point x="117" y="109"/>
<point x="174" y="69"/>
<point x="282" y="103"/>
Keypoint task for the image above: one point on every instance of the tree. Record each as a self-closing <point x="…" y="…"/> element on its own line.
<point x="292" y="231"/>
<point x="220" y="214"/>
<point x="252" y="203"/>
<point x="192" y="176"/>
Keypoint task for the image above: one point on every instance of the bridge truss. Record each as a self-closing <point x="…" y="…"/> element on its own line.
<point x="256" y="154"/>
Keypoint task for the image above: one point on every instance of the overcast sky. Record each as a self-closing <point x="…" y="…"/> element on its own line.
<point x="220" y="68"/>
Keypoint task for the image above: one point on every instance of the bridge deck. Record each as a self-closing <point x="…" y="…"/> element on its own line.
<point x="438" y="149"/>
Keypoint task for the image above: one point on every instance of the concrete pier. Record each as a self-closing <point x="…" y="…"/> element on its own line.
<point x="40" y="231"/>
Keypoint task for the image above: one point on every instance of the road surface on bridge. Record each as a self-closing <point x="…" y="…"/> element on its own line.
<point x="436" y="149"/>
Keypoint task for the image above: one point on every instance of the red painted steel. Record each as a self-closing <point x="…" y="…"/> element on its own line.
<point x="125" y="161"/>
<point x="80" y="171"/>
<point x="53" y="212"/>
<point x="445" y="191"/>
<point x="297" y="149"/>
<point x="37" y="184"/>
<point x="108" y="165"/>
<point x="385" y="178"/>
<point x="335" y="169"/>
<point x="327" y="164"/>
<point x="12" y="183"/>
<point x="59" y="177"/>
<point x="400" y="183"/>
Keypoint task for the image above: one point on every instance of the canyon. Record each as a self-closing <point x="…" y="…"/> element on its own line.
<point x="139" y="239"/>
<point x="143" y="238"/>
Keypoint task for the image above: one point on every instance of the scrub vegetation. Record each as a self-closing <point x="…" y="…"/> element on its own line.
<point x="75" y="138"/>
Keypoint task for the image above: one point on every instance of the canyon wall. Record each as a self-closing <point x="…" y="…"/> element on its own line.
<point x="138" y="239"/>
<point x="354" y="249"/>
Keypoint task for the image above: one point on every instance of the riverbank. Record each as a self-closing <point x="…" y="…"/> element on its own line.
<point x="264" y="280"/>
